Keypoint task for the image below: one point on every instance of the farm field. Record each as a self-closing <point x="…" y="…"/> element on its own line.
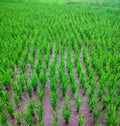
<point x="59" y="63"/>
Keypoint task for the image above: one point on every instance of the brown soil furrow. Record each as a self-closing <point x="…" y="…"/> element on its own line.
<point x="47" y="107"/>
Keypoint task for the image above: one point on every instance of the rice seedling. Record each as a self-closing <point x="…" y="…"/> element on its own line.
<point x="28" y="118"/>
<point x="54" y="123"/>
<point x="96" y="116"/>
<point x="16" y="99"/>
<point x="79" y="69"/>
<point x="17" y="89"/>
<point x="78" y="103"/>
<point x="6" y="80"/>
<point x="3" y="119"/>
<point x="54" y="96"/>
<point x="55" y="116"/>
<point x="111" y="116"/>
<point x="4" y="96"/>
<point x="37" y="68"/>
<point x="29" y="88"/>
<point x="85" y="87"/>
<point x="81" y="120"/>
<point x="64" y="84"/>
<point x="34" y="81"/>
<point x="42" y="78"/>
<point x="66" y="112"/>
<point x="53" y="86"/>
<point x="39" y="111"/>
<point x="10" y="109"/>
<point x="106" y="101"/>
<point x="41" y="94"/>
<point x="92" y="104"/>
<point x="19" y="116"/>
<point x="31" y="106"/>
<point x="20" y="82"/>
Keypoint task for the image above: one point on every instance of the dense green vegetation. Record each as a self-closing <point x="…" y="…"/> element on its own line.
<point x="70" y="48"/>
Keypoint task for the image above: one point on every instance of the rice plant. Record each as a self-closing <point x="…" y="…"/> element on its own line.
<point x="34" y="81"/>
<point x="42" y="78"/>
<point x="10" y="109"/>
<point x="66" y="112"/>
<point x="111" y="116"/>
<point x="31" y="106"/>
<point x="78" y="102"/>
<point x="64" y="84"/>
<point x="39" y="111"/>
<point x="81" y="120"/>
<point x="3" y="119"/>
<point x="16" y="99"/>
<point x="41" y="94"/>
<point x="29" y="88"/>
<point x="54" y="96"/>
<point x="19" y="116"/>
<point x="37" y="68"/>
<point x="92" y="103"/>
<point x="28" y="118"/>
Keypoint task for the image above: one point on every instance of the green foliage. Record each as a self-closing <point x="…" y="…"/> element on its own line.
<point x="64" y="84"/>
<point x="92" y="103"/>
<point x="81" y="120"/>
<point x="77" y="37"/>
<point x="66" y="115"/>
<point x="21" y="82"/>
<point x="10" y="109"/>
<point x="66" y="112"/>
<point x="106" y="101"/>
<point x="54" y="96"/>
<point x="29" y="88"/>
<point x="31" y="107"/>
<point x="16" y="99"/>
<point x="6" y="80"/>
<point x="39" y="111"/>
<point x="42" y="78"/>
<point x="18" y="117"/>
<point x="111" y="116"/>
<point x="79" y="69"/>
<point x="34" y="81"/>
<point x="3" y="119"/>
<point x="41" y="94"/>
<point x="37" y="68"/>
<point x="53" y="85"/>
<point x="28" y="119"/>
<point x="17" y="89"/>
<point x="78" y="102"/>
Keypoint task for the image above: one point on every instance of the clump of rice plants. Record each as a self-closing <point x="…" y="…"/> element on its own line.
<point x="81" y="120"/>
<point x="3" y="119"/>
<point x="10" y="109"/>
<point x="111" y="116"/>
<point x="28" y="118"/>
<point x="41" y="94"/>
<point x="78" y="102"/>
<point x="64" y="84"/>
<point x="19" y="116"/>
<point x="34" y="81"/>
<point x="42" y="78"/>
<point x="66" y="112"/>
<point x="16" y="99"/>
<point x="39" y="111"/>
<point x="54" y="96"/>
<point x="31" y="107"/>
<point x="29" y="88"/>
